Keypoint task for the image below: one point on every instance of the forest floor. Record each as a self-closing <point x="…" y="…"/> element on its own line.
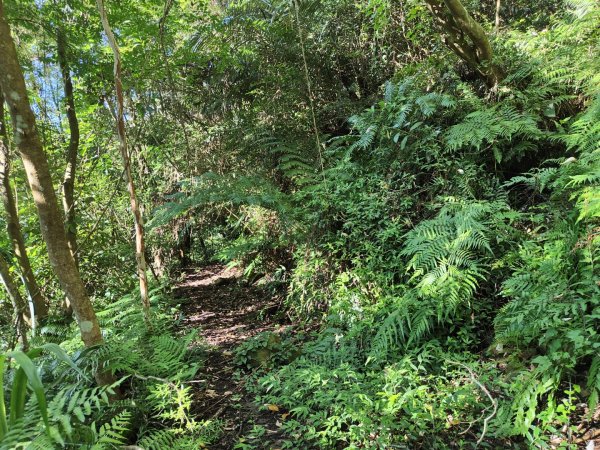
<point x="228" y="311"/>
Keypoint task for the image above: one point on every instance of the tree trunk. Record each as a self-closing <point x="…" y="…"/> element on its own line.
<point x="19" y="305"/>
<point x="135" y="209"/>
<point x="40" y="306"/>
<point x="466" y="38"/>
<point x="68" y="185"/>
<point x="28" y="142"/>
<point x="497" y="18"/>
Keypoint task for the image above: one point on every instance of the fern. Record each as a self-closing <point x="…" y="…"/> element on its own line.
<point x="293" y="161"/>
<point x="111" y="434"/>
<point x="536" y="179"/>
<point x="432" y="101"/>
<point x="334" y="347"/>
<point x="169" y="439"/>
<point x="593" y="382"/>
<point x="448" y="255"/>
<point x="162" y="356"/>
<point x="158" y="440"/>
<point x="584" y="133"/>
<point x="68" y="412"/>
<point x="584" y="174"/>
<point x="493" y="126"/>
<point x="212" y="190"/>
<point x="367" y="129"/>
<point x="553" y="304"/>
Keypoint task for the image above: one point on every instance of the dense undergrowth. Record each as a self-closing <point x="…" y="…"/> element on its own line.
<point x="148" y="402"/>
<point x="448" y="246"/>
<point x="435" y="239"/>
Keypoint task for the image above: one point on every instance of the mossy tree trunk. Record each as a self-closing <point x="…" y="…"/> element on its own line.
<point x="466" y="38"/>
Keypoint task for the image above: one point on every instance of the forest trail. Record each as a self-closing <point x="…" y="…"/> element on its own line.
<point x="226" y="311"/>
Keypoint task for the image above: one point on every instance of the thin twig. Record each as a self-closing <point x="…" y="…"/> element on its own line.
<point x="484" y="389"/>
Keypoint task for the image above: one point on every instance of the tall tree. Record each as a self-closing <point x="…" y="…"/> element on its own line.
<point x="40" y="306"/>
<point x="28" y="142"/>
<point x="68" y="185"/>
<point x="135" y="207"/>
<point x="466" y="38"/>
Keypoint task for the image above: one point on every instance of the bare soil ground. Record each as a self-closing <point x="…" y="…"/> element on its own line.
<point x="227" y="311"/>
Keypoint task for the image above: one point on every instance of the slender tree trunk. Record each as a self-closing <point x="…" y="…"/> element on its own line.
<point x="28" y="142"/>
<point x="18" y="304"/>
<point x="68" y="185"/>
<point x="497" y="19"/>
<point x="135" y="209"/>
<point x="40" y="306"/>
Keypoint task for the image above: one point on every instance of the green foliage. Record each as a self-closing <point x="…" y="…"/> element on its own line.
<point x="152" y="368"/>
<point x="160" y="355"/>
<point x="259" y="217"/>
<point x="494" y="127"/>
<point x="161" y="439"/>
<point x="419" y="401"/>
<point x="26" y="373"/>
<point x="111" y="433"/>
<point x="448" y="254"/>
<point x="439" y="236"/>
<point x="35" y="422"/>
<point x="266" y="351"/>
<point x="212" y="189"/>
<point x="553" y="308"/>
<point x="157" y="364"/>
<point x="419" y="242"/>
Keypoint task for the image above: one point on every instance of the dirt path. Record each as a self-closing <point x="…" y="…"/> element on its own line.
<point x="227" y="312"/>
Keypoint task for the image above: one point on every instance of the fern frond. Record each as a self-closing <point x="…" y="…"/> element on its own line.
<point x="113" y="433"/>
